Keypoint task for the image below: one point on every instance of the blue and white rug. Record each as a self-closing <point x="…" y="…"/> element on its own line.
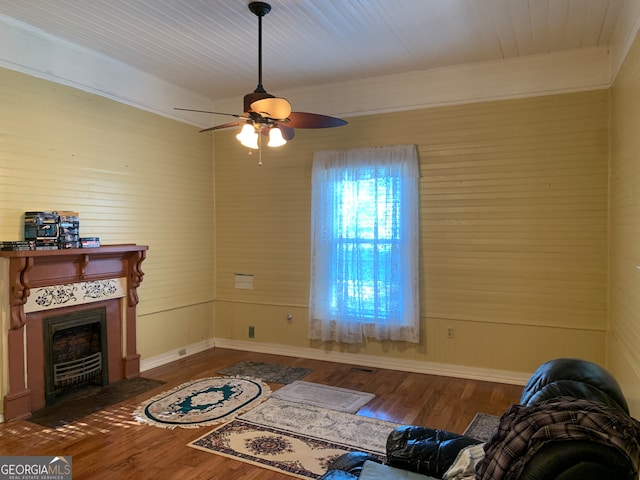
<point x="203" y="402"/>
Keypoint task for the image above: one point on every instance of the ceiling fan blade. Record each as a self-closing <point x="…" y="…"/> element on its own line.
<point x="313" y="120"/>
<point x="220" y="127"/>
<point x="207" y="111"/>
<point x="275" y="107"/>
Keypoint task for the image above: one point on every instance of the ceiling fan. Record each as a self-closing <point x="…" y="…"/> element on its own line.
<point x="265" y="113"/>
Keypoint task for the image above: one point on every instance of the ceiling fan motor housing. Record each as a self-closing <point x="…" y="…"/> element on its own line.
<point x="249" y="98"/>
<point x="260" y="8"/>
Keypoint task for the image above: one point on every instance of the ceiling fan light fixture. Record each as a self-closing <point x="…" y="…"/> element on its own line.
<point x="248" y="136"/>
<point x="275" y="137"/>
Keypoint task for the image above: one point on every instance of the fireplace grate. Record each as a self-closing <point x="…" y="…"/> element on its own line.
<point x="76" y="372"/>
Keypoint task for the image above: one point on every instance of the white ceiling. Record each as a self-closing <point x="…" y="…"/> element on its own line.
<point x="209" y="47"/>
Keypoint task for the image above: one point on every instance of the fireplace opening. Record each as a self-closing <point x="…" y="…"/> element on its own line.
<point x="75" y="353"/>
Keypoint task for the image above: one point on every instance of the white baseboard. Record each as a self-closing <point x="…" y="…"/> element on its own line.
<point x="371" y="361"/>
<point x="430" y="368"/>
<point x="173" y="355"/>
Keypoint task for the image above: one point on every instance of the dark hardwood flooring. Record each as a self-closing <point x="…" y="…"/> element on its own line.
<point x="110" y="444"/>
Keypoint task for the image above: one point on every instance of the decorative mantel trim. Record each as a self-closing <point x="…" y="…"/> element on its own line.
<point x="56" y="296"/>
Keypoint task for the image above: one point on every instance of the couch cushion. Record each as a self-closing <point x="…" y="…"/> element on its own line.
<point x="376" y="471"/>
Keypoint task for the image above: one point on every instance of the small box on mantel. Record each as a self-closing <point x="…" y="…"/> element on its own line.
<point x="68" y="229"/>
<point x="39" y="225"/>
<point x="90" y="242"/>
<point x="40" y="218"/>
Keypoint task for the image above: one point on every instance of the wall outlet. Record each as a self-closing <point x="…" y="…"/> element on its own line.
<point x="252" y="332"/>
<point x="449" y="332"/>
<point x="289" y="317"/>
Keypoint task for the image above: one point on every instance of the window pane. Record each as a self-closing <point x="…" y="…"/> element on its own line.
<point x="364" y="268"/>
<point x="365" y="235"/>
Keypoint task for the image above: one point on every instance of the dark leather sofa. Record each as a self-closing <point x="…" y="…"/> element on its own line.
<point x="572" y="423"/>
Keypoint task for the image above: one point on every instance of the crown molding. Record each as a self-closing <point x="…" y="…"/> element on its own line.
<point x="535" y="75"/>
<point x="28" y="50"/>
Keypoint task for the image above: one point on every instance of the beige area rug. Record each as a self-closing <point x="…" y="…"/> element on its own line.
<point x="294" y="438"/>
<point x="325" y="396"/>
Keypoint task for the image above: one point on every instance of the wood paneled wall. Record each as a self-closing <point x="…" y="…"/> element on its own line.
<point x="513" y="220"/>
<point x="624" y="296"/>
<point x="133" y="176"/>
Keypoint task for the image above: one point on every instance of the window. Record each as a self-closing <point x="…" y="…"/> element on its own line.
<point x="364" y="245"/>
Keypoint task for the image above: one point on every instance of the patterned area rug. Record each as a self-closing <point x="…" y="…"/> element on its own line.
<point x="482" y="426"/>
<point x="268" y="372"/>
<point x="365" y="433"/>
<point x="293" y="454"/>
<point x="204" y="402"/>
<point x="325" y="396"/>
<point x="296" y="439"/>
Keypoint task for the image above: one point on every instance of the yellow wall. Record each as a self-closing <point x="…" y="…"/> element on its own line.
<point x="134" y="177"/>
<point x="624" y="291"/>
<point x="513" y="219"/>
<point x="513" y="208"/>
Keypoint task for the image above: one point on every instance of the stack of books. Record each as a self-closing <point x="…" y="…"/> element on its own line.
<point x="68" y="229"/>
<point x="16" y="246"/>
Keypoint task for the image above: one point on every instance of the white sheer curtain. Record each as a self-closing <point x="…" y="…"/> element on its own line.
<point x="364" y="245"/>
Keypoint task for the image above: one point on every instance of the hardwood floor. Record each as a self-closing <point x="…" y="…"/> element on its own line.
<point x="111" y="445"/>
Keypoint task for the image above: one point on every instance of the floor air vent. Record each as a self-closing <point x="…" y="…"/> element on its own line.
<point x="362" y="370"/>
